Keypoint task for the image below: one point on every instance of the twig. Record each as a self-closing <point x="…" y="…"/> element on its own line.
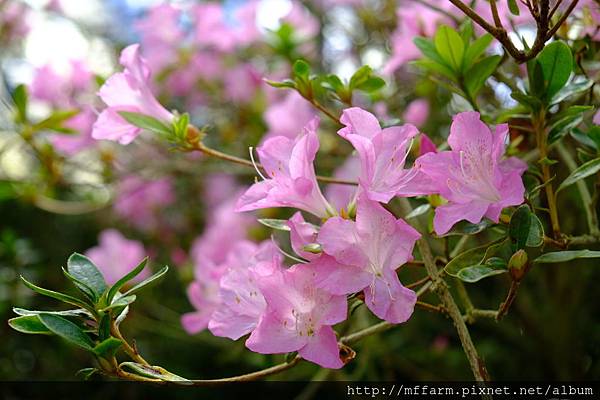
<point x="510" y="298"/>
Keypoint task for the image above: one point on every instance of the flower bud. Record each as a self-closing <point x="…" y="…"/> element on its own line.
<point x="517" y="265"/>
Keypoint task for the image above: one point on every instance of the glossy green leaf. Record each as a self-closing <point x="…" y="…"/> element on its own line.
<point x="563" y="256"/>
<point x="80" y="312"/>
<point x="525" y="229"/>
<point x="277" y="224"/>
<point x="29" y="324"/>
<point x="476" y="273"/>
<point x="476" y="256"/>
<point x="479" y="73"/>
<point x="476" y="49"/>
<point x="437" y="68"/>
<point x="583" y="171"/>
<point x="155" y="372"/>
<point x="84" y="270"/>
<point x="146" y="122"/>
<point x="427" y="47"/>
<point x="154" y="278"/>
<point x="108" y="348"/>
<point x="360" y="76"/>
<point x="561" y="128"/>
<point x="577" y="85"/>
<point x="531" y="102"/>
<point x="301" y="69"/>
<point x="87" y="373"/>
<point x="556" y="62"/>
<point x="467" y="228"/>
<point x="55" y="120"/>
<point x="130" y="275"/>
<point x="513" y="7"/>
<point x="450" y="46"/>
<point x="371" y="84"/>
<point x="57" y="295"/>
<point x="85" y="289"/>
<point x="422" y="209"/>
<point x="120" y="302"/>
<point x="67" y="330"/>
<point x="286" y="83"/>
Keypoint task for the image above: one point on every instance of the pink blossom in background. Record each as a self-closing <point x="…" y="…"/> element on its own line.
<point x="287" y="116"/>
<point x="82" y="124"/>
<point x="341" y="196"/>
<point x="241" y="83"/>
<point x="305" y="24"/>
<point x="215" y="29"/>
<point x="290" y="179"/>
<point x="241" y="301"/>
<point x="139" y="201"/>
<point x="15" y="20"/>
<point x="472" y="176"/>
<point x="223" y="230"/>
<point x="298" y="317"/>
<point x="218" y="188"/>
<point x="367" y="253"/>
<point x="382" y="153"/>
<point x="161" y="35"/>
<point x="203" y="65"/>
<point x="116" y="255"/>
<point x="417" y="112"/>
<point x="590" y="10"/>
<point x="414" y="19"/>
<point x="127" y="91"/>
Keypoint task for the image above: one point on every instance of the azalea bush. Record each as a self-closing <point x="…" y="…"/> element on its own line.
<point x="352" y="189"/>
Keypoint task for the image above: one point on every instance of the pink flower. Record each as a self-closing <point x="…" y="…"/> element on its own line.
<point x="291" y="175"/>
<point x="203" y="293"/>
<point x="302" y="233"/>
<point x="426" y="145"/>
<point x="596" y="119"/>
<point x="138" y="200"/>
<point x="288" y="116"/>
<point x="161" y="35"/>
<point x="416" y="112"/>
<point x="299" y="317"/>
<point x="342" y="196"/>
<point x="241" y="303"/>
<point x="73" y="143"/>
<point x="364" y="255"/>
<point x="382" y="153"/>
<point x="115" y="256"/>
<point x="241" y="83"/>
<point x="472" y="177"/>
<point x="127" y="91"/>
<point x="222" y="32"/>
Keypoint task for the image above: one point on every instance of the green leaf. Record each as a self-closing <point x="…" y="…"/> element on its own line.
<point x="104" y="327"/>
<point x="478" y="256"/>
<point x="108" y="347"/>
<point x="583" y="171"/>
<point x="476" y="49"/>
<point x="82" y="286"/>
<point x="130" y="275"/>
<point x="449" y="46"/>
<point x="80" y="312"/>
<point x="578" y="84"/>
<point x="334" y="83"/>
<point x="556" y="62"/>
<point x="120" y="302"/>
<point x="427" y="47"/>
<point x="360" y="76"/>
<point x="466" y="32"/>
<point x="84" y="270"/>
<point x="432" y="66"/>
<point x="20" y="97"/>
<point x="277" y="224"/>
<point x="87" y="373"/>
<point x="153" y="372"/>
<point x="147" y="281"/>
<point x="422" y="209"/>
<point x="467" y="228"/>
<point x="301" y="69"/>
<point x="286" y="83"/>
<point x="560" y="128"/>
<point x="494" y="266"/>
<point x="67" y="330"/>
<point x="594" y="134"/>
<point x="513" y="7"/>
<point x="569" y="112"/>
<point x="147" y="122"/>
<point x="530" y="102"/>
<point x="479" y="73"/>
<point x="372" y="84"/>
<point x="563" y="256"/>
<point x="30" y="324"/>
<point x="55" y="120"/>
<point x="65" y="298"/>
<point x="583" y="138"/>
<point x="525" y="229"/>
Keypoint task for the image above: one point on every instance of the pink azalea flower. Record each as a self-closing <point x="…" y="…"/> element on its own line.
<point x="73" y="143"/>
<point x="288" y="116"/>
<point x="473" y="178"/>
<point x="291" y="175"/>
<point x="342" y="196"/>
<point x="161" y="35"/>
<point x="115" y="256"/>
<point x="382" y="154"/>
<point x="299" y="317"/>
<point x="416" y="112"/>
<point x="241" y="83"/>
<point x="426" y="145"/>
<point x="302" y="233"/>
<point x="127" y="91"/>
<point x="365" y="255"/>
<point x="203" y="293"/>
<point x="215" y="29"/>
<point x="241" y="303"/>
<point x="138" y="200"/>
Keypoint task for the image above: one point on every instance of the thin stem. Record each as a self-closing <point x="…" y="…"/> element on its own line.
<point x="562" y="19"/>
<point x="129" y="350"/>
<point x="495" y="15"/>
<point x="440" y="287"/>
<point x="586" y="197"/>
<point x="510" y="298"/>
<point x="477" y="313"/>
